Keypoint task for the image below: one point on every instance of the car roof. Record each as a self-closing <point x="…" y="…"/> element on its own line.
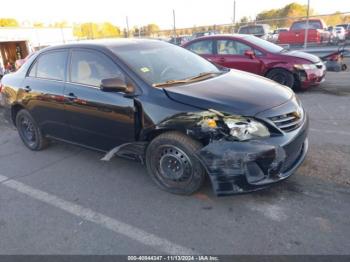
<point x="243" y="26"/>
<point x="233" y="36"/>
<point x="109" y="43"/>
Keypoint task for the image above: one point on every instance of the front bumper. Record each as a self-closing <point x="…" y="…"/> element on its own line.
<point x="312" y="77"/>
<point x="240" y="167"/>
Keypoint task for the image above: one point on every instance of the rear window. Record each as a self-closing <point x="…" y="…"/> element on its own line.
<point x="51" y="65"/>
<point x="251" y="30"/>
<point x="302" y="25"/>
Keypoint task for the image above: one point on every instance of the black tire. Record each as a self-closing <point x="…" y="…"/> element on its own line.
<point x="172" y="164"/>
<point x="282" y="76"/>
<point x="29" y="131"/>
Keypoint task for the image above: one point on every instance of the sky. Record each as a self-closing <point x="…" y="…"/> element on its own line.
<point x="141" y="12"/>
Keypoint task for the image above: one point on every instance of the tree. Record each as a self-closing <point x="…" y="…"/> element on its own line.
<point x="152" y="29"/>
<point x="334" y="19"/>
<point x="8" y="22"/>
<point x="108" y="30"/>
<point x="94" y="31"/>
<point x="283" y="17"/>
<point x="38" y="24"/>
<point x="60" y="24"/>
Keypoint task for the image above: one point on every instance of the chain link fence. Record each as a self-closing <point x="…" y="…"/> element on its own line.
<point x="325" y="32"/>
<point x="317" y="30"/>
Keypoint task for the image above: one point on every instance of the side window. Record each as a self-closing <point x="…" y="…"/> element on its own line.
<point x="52" y="65"/>
<point x="32" y="72"/>
<point x="202" y="47"/>
<point x="89" y="68"/>
<point x="231" y="47"/>
<point x="258" y="53"/>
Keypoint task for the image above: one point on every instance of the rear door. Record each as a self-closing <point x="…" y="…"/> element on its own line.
<point x="42" y="92"/>
<point x="231" y="53"/>
<point x="98" y="119"/>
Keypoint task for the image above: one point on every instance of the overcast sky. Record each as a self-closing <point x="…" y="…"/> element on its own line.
<point x="140" y="12"/>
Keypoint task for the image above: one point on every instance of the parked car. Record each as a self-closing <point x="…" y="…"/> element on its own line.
<point x="179" y="40"/>
<point x="258" y="30"/>
<point x="341" y="33"/>
<point x="248" y="53"/>
<point x="205" y="33"/>
<point x="151" y="100"/>
<point x="346" y="28"/>
<point x="317" y="33"/>
<point x="333" y="35"/>
<point x="274" y="36"/>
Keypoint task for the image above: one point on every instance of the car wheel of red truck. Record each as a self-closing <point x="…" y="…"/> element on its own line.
<point x="171" y="162"/>
<point x="281" y="76"/>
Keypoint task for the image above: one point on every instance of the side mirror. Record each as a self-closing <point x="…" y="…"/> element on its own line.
<point x="250" y="54"/>
<point x="114" y="85"/>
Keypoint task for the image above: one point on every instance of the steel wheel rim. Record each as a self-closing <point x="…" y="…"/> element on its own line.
<point x="174" y="167"/>
<point x="27" y="130"/>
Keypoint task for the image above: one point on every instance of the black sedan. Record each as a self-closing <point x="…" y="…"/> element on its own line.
<point x="182" y="116"/>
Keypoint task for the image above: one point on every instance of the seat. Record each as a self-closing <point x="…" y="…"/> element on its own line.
<point x="84" y="74"/>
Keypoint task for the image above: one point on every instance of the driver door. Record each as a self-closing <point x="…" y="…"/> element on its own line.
<point x="97" y="119"/>
<point x="231" y="54"/>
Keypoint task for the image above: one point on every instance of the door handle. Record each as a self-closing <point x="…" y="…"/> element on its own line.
<point x="71" y="96"/>
<point x="27" y="89"/>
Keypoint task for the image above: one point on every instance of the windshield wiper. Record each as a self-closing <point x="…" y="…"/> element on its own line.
<point x="188" y="80"/>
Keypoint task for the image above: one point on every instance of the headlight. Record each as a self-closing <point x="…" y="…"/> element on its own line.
<point x="245" y="128"/>
<point x="305" y="66"/>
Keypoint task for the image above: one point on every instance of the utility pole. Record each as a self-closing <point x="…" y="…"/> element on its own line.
<point x="234" y="16"/>
<point x="127" y="26"/>
<point x="307" y="23"/>
<point x="174" y="23"/>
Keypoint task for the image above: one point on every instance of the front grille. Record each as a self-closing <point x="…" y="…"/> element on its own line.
<point x="288" y="122"/>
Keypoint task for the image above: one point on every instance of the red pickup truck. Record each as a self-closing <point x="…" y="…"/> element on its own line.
<point x="317" y="33"/>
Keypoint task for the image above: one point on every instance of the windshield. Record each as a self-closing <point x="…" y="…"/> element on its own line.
<point x="268" y="46"/>
<point x="158" y="62"/>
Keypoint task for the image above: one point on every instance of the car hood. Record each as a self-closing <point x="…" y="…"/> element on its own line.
<point x="235" y="92"/>
<point x="303" y="55"/>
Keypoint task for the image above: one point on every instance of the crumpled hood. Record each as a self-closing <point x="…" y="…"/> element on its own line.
<point x="303" y="55"/>
<point x="235" y="92"/>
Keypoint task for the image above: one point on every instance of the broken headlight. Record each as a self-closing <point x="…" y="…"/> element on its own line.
<point x="305" y="66"/>
<point x="243" y="128"/>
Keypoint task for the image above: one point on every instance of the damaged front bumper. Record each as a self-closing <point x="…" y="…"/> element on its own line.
<point x="239" y="167"/>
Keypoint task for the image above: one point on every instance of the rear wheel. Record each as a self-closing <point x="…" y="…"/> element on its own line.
<point x="282" y="76"/>
<point x="172" y="165"/>
<point x="29" y="131"/>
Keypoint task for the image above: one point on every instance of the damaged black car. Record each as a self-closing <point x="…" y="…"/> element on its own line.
<point x="184" y="117"/>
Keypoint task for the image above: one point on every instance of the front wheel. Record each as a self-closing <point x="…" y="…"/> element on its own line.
<point x="282" y="76"/>
<point x="171" y="162"/>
